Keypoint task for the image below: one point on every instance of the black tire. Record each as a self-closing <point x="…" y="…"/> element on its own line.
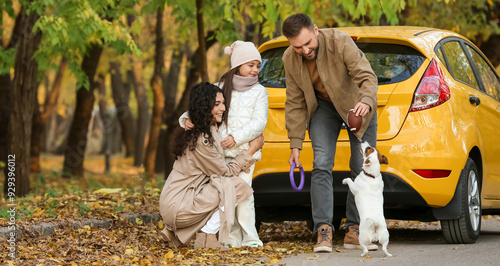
<point x="465" y="229"/>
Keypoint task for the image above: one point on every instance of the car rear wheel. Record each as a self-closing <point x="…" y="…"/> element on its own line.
<point x="465" y="229"/>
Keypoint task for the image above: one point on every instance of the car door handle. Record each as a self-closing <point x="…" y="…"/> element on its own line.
<point x="474" y="100"/>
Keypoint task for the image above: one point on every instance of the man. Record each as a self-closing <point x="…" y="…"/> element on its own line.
<point x="326" y="76"/>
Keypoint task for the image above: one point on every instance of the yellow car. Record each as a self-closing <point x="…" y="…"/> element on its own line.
<point x="438" y="120"/>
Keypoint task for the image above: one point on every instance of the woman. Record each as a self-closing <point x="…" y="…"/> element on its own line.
<point x="201" y="192"/>
<point x="247" y="107"/>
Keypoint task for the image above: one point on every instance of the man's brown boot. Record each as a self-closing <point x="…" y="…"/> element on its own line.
<point x="351" y="239"/>
<point x="324" y="239"/>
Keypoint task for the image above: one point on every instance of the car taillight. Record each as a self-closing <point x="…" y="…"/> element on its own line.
<point x="433" y="173"/>
<point x="432" y="89"/>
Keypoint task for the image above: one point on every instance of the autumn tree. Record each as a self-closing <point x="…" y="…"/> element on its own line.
<point x="22" y="96"/>
<point x="159" y="97"/>
<point x="71" y="36"/>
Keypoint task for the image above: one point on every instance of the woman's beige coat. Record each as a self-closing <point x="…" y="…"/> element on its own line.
<point x="200" y="183"/>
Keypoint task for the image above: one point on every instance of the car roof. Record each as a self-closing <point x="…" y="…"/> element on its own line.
<point x="421" y="38"/>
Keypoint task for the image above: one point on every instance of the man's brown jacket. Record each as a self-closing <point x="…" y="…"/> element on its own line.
<point x="345" y="73"/>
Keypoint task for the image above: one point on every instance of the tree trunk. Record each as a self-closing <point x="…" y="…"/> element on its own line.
<point x="201" y="41"/>
<point x="51" y="99"/>
<point x="193" y="75"/>
<point x="159" y="98"/>
<point x="136" y="78"/>
<point x="143" y="117"/>
<point x="6" y="88"/>
<point x="170" y="84"/>
<point x="74" y="153"/>
<point x="106" y="121"/>
<point x="40" y="118"/>
<point x="5" y="108"/>
<point x="24" y="87"/>
<point x="36" y="138"/>
<point x="121" y="99"/>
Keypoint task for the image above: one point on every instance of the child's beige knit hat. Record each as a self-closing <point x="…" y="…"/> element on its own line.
<point x="242" y="52"/>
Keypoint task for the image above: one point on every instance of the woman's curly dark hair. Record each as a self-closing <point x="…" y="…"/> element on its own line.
<point x="201" y="103"/>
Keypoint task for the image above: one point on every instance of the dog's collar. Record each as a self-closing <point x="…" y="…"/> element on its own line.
<point x="370" y="175"/>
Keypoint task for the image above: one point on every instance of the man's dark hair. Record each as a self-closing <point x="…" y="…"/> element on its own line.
<point x="295" y="23"/>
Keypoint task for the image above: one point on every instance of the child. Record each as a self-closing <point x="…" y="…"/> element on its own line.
<point x="247" y="102"/>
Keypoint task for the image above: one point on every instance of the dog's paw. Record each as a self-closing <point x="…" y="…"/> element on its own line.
<point x="346" y="181"/>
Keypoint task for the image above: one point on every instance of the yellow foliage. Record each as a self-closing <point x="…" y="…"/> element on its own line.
<point x="129" y="251"/>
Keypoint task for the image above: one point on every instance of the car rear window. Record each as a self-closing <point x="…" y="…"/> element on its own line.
<point x="391" y="63"/>
<point x="272" y="72"/>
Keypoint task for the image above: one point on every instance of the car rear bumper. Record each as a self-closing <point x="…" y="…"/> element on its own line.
<point x="275" y="189"/>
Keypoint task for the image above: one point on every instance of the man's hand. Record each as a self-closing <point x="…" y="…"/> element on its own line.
<point x="294" y="158"/>
<point x="361" y="109"/>
<point x="228" y="142"/>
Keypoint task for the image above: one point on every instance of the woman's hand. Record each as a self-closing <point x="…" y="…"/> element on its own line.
<point x="188" y="125"/>
<point x="228" y="142"/>
<point x="256" y="144"/>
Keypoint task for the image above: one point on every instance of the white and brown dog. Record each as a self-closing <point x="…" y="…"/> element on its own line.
<point x="367" y="189"/>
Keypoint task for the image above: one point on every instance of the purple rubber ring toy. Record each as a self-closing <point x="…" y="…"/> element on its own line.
<point x="292" y="179"/>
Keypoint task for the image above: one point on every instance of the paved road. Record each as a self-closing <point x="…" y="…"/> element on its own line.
<point x="420" y="244"/>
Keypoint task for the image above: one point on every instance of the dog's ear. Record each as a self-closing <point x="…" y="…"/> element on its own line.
<point x="383" y="160"/>
<point x="367" y="161"/>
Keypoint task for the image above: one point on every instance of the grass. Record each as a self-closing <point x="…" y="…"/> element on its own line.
<point x="55" y="197"/>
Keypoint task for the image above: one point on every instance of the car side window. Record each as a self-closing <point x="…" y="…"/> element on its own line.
<point x="460" y="67"/>
<point x="440" y="55"/>
<point x="488" y="76"/>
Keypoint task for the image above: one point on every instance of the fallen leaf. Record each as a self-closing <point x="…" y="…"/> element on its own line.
<point x="169" y="255"/>
<point x="274" y="260"/>
<point x="107" y="190"/>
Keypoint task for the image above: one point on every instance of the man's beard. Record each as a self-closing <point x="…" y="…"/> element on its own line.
<point x="315" y="54"/>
